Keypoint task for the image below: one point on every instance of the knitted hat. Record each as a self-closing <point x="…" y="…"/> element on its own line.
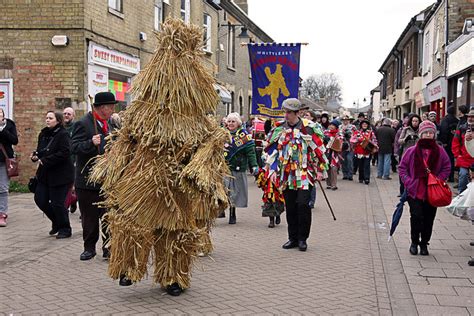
<point x="426" y="126"/>
<point x="432" y="113"/>
<point x="335" y="123"/>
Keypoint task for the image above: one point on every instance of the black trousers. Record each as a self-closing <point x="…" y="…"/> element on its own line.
<point x="92" y="218"/>
<point x="51" y="201"/>
<point x="394" y="163"/>
<point x="422" y="216"/>
<point x="298" y="213"/>
<point x="355" y="163"/>
<point x="364" y="169"/>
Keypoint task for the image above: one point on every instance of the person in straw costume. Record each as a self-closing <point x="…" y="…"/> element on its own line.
<point x="163" y="173"/>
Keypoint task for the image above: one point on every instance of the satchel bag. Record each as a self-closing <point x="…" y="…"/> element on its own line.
<point x="439" y="193"/>
<point x="369" y="146"/>
<point x="11" y="164"/>
<point x="335" y="144"/>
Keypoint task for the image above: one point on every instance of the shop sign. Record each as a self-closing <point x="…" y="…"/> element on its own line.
<point x="98" y="79"/>
<point x="437" y="90"/>
<point x="113" y="59"/>
<point x="419" y="99"/>
<point x="6" y="97"/>
<point x="462" y="58"/>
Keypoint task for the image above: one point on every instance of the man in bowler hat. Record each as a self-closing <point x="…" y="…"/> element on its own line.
<point x="88" y="141"/>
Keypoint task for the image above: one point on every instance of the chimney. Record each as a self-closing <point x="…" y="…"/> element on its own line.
<point x="243" y="5"/>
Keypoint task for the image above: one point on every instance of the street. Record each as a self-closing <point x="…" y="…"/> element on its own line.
<point x="349" y="268"/>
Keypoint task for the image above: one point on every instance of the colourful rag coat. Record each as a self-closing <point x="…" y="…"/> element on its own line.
<point x="295" y="155"/>
<point x="357" y="139"/>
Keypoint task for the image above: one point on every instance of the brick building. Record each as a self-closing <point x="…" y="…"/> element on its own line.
<point x="57" y="53"/>
<point x="414" y="72"/>
<point x="233" y="59"/>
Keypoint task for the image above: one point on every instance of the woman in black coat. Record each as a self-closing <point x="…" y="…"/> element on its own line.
<point x="55" y="173"/>
<point x="8" y="138"/>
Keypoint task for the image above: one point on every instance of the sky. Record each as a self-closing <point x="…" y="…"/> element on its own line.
<point x="347" y="37"/>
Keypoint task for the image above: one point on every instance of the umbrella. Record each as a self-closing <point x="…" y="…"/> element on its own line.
<point x="398" y="213"/>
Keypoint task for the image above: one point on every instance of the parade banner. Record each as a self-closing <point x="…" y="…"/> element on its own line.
<point x="275" y="76"/>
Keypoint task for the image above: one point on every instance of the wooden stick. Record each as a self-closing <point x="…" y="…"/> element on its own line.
<point x="327" y="200"/>
<point x="96" y="130"/>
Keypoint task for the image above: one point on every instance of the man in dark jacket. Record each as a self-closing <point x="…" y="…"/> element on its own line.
<point x="447" y="129"/>
<point x="385" y="138"/>
<point x="88" y="141"/>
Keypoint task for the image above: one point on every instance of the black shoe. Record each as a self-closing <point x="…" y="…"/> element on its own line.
<point x="124" y="281"/>
<point x="334" y="188"/>
<point x="424" y="250"/>
<point x="302" y="246"/>
<point x="367" y="182"/>
<point x="53" y="231"/>
<point x="414" y="249"/>
<point x="106" y="253"/>
<point x="63" y="235"/>
<point x="471" y="243"/>
<point x="350" y="179"/>
<point x="290" y="244"/>
<point x="387" y="178"/>
<point x="345" y="178"/>
<point x="174" y="289"/>
<point x="471" y="262"/>
<point x="73" y="208"/>
<point x="278" y="220"/>
<point x="272" y="222"/>
<point x="232" y="217"/>
<point x="221" y="215"/>
<point x="87" y="255"/>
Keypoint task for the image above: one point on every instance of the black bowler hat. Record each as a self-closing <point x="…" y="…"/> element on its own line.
<point x="103" y="98"/>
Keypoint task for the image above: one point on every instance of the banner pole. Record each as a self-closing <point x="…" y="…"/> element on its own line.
<point x="246" y="44"/>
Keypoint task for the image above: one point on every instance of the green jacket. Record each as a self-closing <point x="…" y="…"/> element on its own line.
<point x="241" y="160"/>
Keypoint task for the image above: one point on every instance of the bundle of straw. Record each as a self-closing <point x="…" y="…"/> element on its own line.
<point x="162" y="172"/>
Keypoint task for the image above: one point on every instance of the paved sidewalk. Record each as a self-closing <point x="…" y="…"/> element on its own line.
<point x="442" y="283"/>
<point x="349" y="267"/>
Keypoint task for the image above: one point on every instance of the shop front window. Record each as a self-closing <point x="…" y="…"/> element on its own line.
<point x="119" y="85"/>
<point x="461" y="90"/>
<point x="471" y="94"/>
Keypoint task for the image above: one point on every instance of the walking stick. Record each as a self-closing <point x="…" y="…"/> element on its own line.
<point x="327" y="200"/>
<point x="96" y="130"/>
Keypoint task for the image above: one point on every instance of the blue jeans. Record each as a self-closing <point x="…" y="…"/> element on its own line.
<point x="347" y="164"/>
<point x="463" y="179"/>
<point x="383" y="167"/>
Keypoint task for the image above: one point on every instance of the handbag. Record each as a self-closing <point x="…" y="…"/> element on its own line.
<point x="11" y="164"/>
<point x="71" y="197"/>
<point x="32" y="184"/>
<point x="439" y="193"/>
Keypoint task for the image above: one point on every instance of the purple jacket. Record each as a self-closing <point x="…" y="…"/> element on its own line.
<point x="406" y="171"/>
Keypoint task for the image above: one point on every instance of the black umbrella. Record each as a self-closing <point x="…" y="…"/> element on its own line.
<point x="398" y="213"/>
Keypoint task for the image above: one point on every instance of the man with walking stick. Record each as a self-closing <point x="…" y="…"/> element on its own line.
<point x="295" y="161"/>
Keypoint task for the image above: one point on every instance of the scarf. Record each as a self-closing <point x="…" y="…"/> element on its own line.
<point x="105" y="126"/>
<point x="420" y="168"/>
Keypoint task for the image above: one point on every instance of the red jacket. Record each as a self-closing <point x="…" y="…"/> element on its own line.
<point x="357" y="139"/>
<point x="463" y="159"/>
